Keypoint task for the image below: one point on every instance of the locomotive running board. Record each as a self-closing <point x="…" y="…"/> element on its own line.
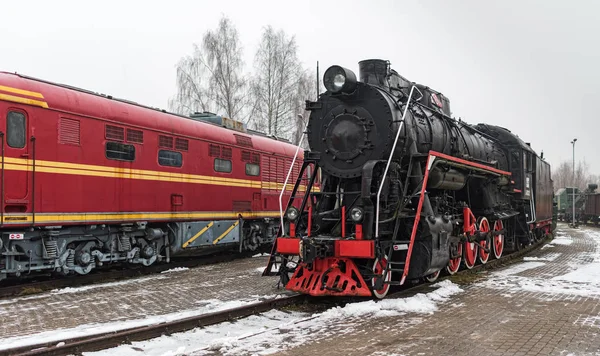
<point x="441" y="157"/>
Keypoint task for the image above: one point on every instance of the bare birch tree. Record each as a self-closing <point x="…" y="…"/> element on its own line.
<point x="211" y="79"/>
<point x="275" y="84"/>
<point x="306" y="90"/>
<point x="193" y="89"/>
<point x="563" y="175"/>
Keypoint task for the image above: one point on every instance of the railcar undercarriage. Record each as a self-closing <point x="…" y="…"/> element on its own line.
<point x="81" y="249"/>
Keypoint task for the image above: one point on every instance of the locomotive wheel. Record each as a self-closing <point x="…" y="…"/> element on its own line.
<point x="454" y="264"/>
<point x="378" y="268"/>
<point x="470" y="255"/>
<point x="432" y="277"/>
<point x="498" y="241"/>
<point x="484" y="226"/>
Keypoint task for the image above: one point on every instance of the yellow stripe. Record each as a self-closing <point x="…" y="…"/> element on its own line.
<point x="22" y="92"/>
<point x="18" y="99"/>
<point x="20" y="164"/>
<point x="226" y="232"/>
<point x="198" y="234"/>
<point x="114" y="172"/>
<point x="92" y="217"/>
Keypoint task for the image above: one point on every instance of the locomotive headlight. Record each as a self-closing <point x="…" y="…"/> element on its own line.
<point x="339" y="79"/>
<point x="356" y="214"/>
<point x="292" y="213"/>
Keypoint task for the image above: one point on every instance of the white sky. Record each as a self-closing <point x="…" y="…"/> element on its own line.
<point x="530" y="66"/>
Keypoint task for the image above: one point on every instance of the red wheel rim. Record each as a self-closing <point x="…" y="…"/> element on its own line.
<point x="498" y="245"/>
<point x="484" y="226"/>
<point x="378" y="268"/>
<point x="433" y="277"/>
<point x="454" y="264"/>
<point x="470" y="254"/>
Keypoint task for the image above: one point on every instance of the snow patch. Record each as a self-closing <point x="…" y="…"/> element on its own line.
<point x="69" y="290"/>
<point x="522" y="267"/>
<point x="176" y="269"/>
<point x="208" y="306"/>
<point x="580" y="278"/>
<point x="275" y="330"/>
<point x="548" y="257"/>
<point x="420" y="303"/>
<point x="562" y="240"/>
<point x="589" y="273"/>
<point x="261" y="254"/>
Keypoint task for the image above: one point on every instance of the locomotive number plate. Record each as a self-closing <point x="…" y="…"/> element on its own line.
<point x="16" y="236"/>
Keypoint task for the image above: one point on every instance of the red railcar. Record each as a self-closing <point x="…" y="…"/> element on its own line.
<point x="88" y="179"/>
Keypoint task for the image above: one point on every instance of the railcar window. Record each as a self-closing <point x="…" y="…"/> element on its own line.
<point x="170" y="158"/>
<point x="120" y="151"/>
<point x="15" y="129"/>
<point x="222" y="165"/>
<point x="252" y="169"/>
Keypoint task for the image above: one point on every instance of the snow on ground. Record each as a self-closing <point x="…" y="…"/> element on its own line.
<point x="277" y="330"/>
<point x="204" y="307"/>
<point x="547" y="257"/>
<point x="516" y="269"/>
<point x="580" y="279"/>
<point x="70" y="290"/>
<point x="176" y="269"/>
<point x="261" y="254"/>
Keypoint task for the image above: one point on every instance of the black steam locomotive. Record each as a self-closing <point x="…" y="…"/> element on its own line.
<point x="406" y="190"/>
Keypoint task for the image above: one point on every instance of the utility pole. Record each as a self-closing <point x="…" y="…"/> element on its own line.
<point x="573" y="185"/>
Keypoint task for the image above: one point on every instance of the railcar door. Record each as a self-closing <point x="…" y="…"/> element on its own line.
<point x="17" y="161"/>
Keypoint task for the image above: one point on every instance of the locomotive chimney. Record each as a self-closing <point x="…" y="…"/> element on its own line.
<point x="373" y="71"/>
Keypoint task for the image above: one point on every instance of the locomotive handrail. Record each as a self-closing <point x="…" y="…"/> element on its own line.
<point x="286" y="180"/>
<point x="390" y="158"/>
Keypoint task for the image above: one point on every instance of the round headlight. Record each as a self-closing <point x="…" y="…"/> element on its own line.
<point x="356" y="214"/>
<point x="339" y="79"/>
<point x="292" y="213"/>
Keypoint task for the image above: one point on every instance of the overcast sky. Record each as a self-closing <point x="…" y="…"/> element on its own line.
<point x="530" y="66"/>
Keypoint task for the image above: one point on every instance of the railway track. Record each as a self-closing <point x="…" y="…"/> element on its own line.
<point x="114" y="339"/>
<point x="19" y="288"/>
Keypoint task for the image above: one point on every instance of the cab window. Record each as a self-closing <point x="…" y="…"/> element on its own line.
<point x="170" y="158"/>
<point x="222" y="165"/>
<point x="15" y="129"/>
<point x="120" y="151"/>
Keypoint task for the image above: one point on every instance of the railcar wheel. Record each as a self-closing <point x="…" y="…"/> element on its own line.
<point x="498" y="240"/>
<point x="470" y="256"/>
<point x="378" y="268"/>
<point x="454" y="264"/>
<point x="484" y="226"/>
<point x="432" y="277"/>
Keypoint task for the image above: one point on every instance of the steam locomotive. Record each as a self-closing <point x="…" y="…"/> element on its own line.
<point x="406" y="190"/>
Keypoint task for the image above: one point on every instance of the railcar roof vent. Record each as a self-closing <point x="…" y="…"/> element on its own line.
<point x="219" y="120"/>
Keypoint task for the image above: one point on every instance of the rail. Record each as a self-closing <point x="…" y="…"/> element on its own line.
<point x="107" y="340"/>
<point x="116" y="338"/>
<point x="391" y="155"/>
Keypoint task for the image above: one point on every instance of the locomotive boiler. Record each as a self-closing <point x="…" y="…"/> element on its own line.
<point x="406" y="190"/>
